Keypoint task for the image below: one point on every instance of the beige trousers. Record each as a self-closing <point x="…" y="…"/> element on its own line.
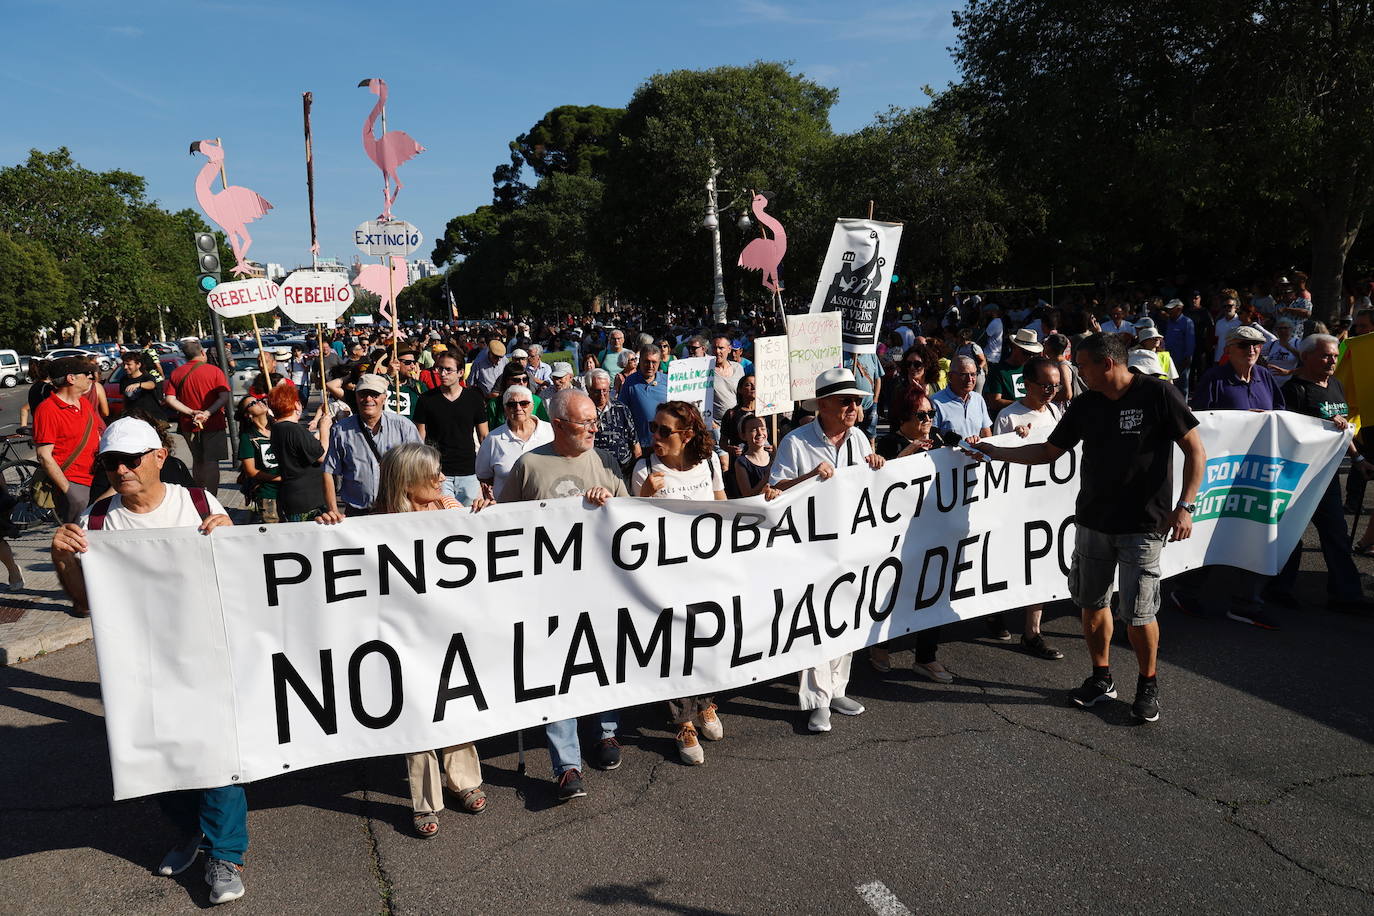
<point x="455" y="768"/>
<point x="823" y="683"/>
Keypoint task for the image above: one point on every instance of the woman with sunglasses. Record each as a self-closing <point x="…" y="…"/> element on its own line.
<point x="258" y="473"/>
<point x="410" y="480"/>
<point x="521" y="432"/>
<point x="683" y="465"/>
<point x="913" y="434"/>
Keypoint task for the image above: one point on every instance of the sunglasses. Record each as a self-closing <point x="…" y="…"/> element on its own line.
<point x="112" y="461"/>
<point x="445" y="369"/>
<point x="849" y="400"/>
<point x="923" y="414"/>
<point x="914" y="364"/>
<point x="525" y="404"/>
<point x="663" y="432"/>
<point x="408" y="362"/>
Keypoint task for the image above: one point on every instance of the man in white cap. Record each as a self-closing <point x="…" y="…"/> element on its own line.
<point x="560" y="378"/>
<point x="131" y="455"/>
<point x="356" y="446"/>
<point x="815" y="450"/>
<point x="1005" y="384"/>
<point x="1149" y="340"/>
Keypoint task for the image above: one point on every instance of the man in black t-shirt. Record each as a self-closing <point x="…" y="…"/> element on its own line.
<point x="453" y="419"/>
<point x="1311" y="390"/>
<point x="1128" y="425"/>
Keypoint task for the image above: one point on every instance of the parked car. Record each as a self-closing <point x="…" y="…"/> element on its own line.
<point x="106" y="363"/>
<point x="11" y="369"/>
<point x="105" y="348"/>
<point x="114" y="386"/>
<point x="24" y="367"/>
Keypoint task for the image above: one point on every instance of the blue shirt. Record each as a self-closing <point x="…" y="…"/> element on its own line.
<point x="351" y="458"/>
<point x="967" y="418"/>
<point x="1221" y="389"/>
<point x="643" y="400"/>
<point x="1180" y="338"/>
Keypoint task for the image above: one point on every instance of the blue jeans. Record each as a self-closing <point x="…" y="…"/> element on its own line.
<point x="1342" y="578"/>
<point x="464" y="488"/>
<point x="565" y="750"/>
<point x="221" y="814"/>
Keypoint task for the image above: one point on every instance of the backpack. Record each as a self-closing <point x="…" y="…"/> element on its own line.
<point x="96" y="520"/>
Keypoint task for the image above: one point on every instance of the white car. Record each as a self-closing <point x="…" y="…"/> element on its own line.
<point x="104" y="362"/>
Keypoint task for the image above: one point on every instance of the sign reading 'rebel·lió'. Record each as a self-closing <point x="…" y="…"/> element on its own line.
<point x="315" y="296"/>
<point x="244" y="297"/>
<point x="386" y="239"/>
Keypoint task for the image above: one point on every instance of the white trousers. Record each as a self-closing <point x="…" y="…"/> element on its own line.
<point x="823" y="683"/>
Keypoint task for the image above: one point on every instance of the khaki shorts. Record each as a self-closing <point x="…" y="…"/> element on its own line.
<point x="1096" y="559"/>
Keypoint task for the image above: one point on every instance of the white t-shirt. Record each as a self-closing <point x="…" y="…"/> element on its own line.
<point x="1118" y="327"/>
<point x="498" y="452"/>
<point x="1276" y="354"/>
<point x="1018" y="414"/>
<point x="701" y="481"/>
<point x="176" y="511"/>
<point x="1224" y="326"/>
<point x="993" y="335"/>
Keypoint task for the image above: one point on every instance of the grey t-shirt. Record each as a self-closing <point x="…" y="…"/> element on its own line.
<point x="542" y="473"/>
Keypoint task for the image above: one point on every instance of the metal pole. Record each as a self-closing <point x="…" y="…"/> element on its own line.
<point x="217" y="327"/>
<point x="719" y="308"/>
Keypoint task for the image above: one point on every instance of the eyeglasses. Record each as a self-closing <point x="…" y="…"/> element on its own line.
<point x="663" y="432"/>
<point x="1248" y="344"/>
<point x="582" y="424"/>
<point x="525" y="404"/>
<point x="112" y="461"/>
<point x="923" y="415"/>
<point x="368" y="395"/>
<point x="447" y="369"/>
<point x="1050" y="386"/>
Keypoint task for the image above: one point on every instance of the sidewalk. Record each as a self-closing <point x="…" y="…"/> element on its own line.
<point x="34" y="620"/>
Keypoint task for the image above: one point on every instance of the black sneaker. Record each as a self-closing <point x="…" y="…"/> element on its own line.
<point x="1036" y="646"/>
<point x="1187" y="604"/>
<point x="997" y="629"/>
<point x="606" y="756"/>
<point x="1282" y="598"/>
<point x="1146" y="705"/>
<point x="1094" y="691"/>
<point x="570" y="785"/>
<point x="1253" y="616"/>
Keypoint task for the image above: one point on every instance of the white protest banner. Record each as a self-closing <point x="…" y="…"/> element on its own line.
<point x="772" y="376"/>
<point x="855" y="278"/>
<point x="262" y="650"/>
<point x="315" y="296"/>
<point x="244" y="297"/>
<point x="813" y="346"/>
<point x="384" y="239"/>
<point x="692" y="380"/>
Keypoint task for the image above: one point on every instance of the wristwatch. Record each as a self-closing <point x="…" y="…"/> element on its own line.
<point x="1190" y="508"/>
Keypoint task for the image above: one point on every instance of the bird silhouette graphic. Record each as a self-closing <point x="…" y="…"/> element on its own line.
<point x="373" y="278"/>
<point x="232" y="208"/>
<point x="765" y="254"/>
<point x="390" y="150"/>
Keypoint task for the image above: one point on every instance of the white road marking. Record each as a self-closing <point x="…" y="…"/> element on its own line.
<point x="882" y="900"/>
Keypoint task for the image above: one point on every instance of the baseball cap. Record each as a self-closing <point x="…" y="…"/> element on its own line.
<point x="371" y="382"/>
<point x="129" y="435"/>
<point x="561" y="370"/>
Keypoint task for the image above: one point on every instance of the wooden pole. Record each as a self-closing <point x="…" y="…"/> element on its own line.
<point x="870" y="209"/>
<point x="306" y="100"/>
<point x="223" y="178"/>
<point x="324" y="392"/>
<point x="395" y="326"/>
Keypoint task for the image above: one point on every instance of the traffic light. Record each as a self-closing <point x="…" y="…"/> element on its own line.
<point x="207" y="261"/>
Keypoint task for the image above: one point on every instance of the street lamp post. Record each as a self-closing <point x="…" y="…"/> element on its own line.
<point x="712" y="225"/>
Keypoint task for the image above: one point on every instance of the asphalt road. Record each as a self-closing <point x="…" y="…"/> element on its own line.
<point x="1253" y="794"/>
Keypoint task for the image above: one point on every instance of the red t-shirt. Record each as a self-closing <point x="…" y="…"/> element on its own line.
<point x="61" y="425"/>
<point x="195" y="385"/>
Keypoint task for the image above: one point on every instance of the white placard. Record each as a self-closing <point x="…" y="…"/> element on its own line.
<point x="315" y="296"/>
<point x="385" y="239"/>
<point x="244" y="297"/>
<point x="813" y="346"/>
<point x="772" y="376"/>
<point x="692" y="379"/>
<point x="307" y="644"/>
<point x="855" y="279"/>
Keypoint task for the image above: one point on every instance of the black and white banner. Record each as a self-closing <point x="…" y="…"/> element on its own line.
<point x="261" y="650"/>
<point x="856" y="277"/>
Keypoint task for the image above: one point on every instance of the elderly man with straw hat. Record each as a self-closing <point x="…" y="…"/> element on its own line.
<point x="817" y="449"/>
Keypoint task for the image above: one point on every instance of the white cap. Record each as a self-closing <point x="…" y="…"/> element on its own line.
<point x="519" y="354"/>
<point x="561" y="369"/>
<point x="129" y="435"/>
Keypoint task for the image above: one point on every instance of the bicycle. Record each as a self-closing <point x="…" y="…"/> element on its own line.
<point x="18" y="478"/>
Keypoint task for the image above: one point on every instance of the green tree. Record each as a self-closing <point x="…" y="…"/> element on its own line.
<point x="423" y="299"/>
<point x="33" y="292"/>
<point x="1175" y="124"/>
<point x="761" y="125"/>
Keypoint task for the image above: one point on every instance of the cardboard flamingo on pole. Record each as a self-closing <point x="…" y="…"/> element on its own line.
<point x="375" y="278"/>
<point x="765" y="254"/>
<point x="231" y="208"/>
<point x="389" y="151"/>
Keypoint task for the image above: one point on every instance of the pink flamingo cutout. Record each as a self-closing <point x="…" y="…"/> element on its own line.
<point x="232" y="208"/>
<point x="765" y="254"/>
<point x="388" y="151"/>
<point x="372" y="277"/>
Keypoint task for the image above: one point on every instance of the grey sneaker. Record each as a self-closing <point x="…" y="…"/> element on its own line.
<point x="224" y="879"/>
<point x="846" y="707"/>
<point x="179" y="858"/>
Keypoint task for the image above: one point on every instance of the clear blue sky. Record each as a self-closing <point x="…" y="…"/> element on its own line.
<point x="131" y="84"/>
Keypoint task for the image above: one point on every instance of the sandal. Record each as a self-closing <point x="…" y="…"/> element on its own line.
<point x="474" y="801"/>
<point x="427" y="824"/>
<point x="1363" y="550"/>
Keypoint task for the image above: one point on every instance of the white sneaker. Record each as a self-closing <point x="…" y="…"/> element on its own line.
<point x="708" y="724"/>
<point x="820" y="720"/>
<point x="688" y="747"/>
<point x="847" y="707"/>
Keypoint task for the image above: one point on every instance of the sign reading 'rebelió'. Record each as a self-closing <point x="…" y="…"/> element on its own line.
<point x="244" y="297"/>
<point x="315" y="296"/>
<point x="386" y="239"/>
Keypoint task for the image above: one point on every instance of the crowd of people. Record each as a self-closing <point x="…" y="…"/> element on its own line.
<point x="462" y="417"/>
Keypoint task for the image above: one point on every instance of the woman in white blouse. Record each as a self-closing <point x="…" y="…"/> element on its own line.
<point x="521" y="432"/>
